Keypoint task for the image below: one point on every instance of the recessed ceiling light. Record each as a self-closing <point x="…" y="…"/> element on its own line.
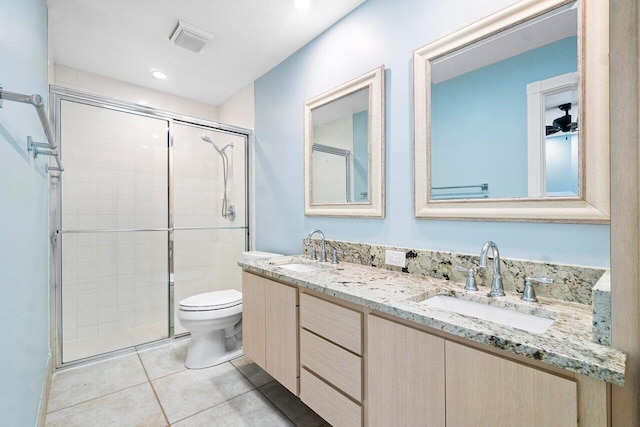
<point x="159" y="75"/>
<point x="302" y="4"/>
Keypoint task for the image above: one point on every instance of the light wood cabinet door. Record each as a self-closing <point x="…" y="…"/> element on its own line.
<point x="253" y="318"/>
<point x="270" y="327"/>
<point x="282" y="333"/>
<point x="487" y="390"/>
<point x="405" y="376"/>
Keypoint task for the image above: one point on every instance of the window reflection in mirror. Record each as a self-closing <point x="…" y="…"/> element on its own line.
<point x="340" y="150"/>
<point x="504" y="113"/>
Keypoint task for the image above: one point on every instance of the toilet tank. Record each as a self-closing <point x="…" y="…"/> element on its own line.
<point x="254" y="255"/>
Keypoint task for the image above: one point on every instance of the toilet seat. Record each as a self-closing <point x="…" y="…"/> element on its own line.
<point x="209" y="301"/>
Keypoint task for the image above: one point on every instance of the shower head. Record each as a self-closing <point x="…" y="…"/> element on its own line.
<point x="205" y="138"/>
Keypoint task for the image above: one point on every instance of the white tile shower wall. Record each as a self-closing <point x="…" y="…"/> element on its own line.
<point x="198" y="178"/>
<point x="116" y="178"/>
<point x="118" y="290"/>
<point x="99" y="85"/>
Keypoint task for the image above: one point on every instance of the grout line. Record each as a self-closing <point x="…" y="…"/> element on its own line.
<point x="265" y="396"/>
<point x="213" y="406"/>
<point x="150" y="382"/>
<point x="254" y="388"/>
<point x="164" y="375"/>
<point x="153" y="389"/>
<point x="95" y="398"/>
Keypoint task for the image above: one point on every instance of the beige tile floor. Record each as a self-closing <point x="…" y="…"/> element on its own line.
<point x="79" y="349"/>
<point x="153" y="388"/>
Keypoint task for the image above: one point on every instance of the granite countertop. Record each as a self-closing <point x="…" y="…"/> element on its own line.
<point x="566" y="344"/>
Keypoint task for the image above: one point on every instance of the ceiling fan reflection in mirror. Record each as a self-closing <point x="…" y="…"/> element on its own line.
<point x="562" y="123"/>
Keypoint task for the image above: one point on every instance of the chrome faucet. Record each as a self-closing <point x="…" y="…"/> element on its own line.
<point x="497" y="290"/>
<point x="323" y="252"/>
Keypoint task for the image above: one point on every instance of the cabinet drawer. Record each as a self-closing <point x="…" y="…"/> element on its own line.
<point x="332" y="363"/>
<point x="331" y="321"/>
<point x="329" y="403"/>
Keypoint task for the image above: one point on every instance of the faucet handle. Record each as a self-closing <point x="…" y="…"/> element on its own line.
<point x="528" y="293"/>
<point x="313" y="256"/>
<point x="471" y="279"/>
<point x="334" y="256"/>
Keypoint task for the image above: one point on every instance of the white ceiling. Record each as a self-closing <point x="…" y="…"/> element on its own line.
<point x="540" y="31"/>
<point x="126" y="39"/>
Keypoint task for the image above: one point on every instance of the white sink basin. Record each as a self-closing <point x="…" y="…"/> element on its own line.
<point x="300" y="268"/>
<point x="526" y="322"/>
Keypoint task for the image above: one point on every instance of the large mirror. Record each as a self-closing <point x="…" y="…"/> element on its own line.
<point x="344" y="149"/>
<point x="511" y="116"/>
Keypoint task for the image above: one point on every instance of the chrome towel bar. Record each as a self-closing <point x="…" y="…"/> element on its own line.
<point x="36" y="147"/>
<point x="482" y="187"/>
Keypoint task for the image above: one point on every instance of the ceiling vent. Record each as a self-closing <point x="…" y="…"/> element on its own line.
<point x="190" y="37"/>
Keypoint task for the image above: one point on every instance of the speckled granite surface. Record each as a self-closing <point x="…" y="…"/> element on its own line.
<point x="571" y="283"/>
<point x="567" y="344"/>
<point x="602" y="310"/>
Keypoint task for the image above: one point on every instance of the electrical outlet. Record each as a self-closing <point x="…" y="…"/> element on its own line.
<point x="399" y="259"/>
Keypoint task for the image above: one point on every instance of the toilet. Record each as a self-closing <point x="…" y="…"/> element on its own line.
<point x="214" y="320"/>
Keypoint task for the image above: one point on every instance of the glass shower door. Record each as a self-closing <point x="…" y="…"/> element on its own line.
<point x="114" y="230"/>
<point x="207" y="245"/>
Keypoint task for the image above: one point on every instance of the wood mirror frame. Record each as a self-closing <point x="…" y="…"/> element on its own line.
<point x="375" y="206"/>
<point x="592" y="206"/>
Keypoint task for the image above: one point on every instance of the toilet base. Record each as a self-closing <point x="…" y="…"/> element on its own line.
<point x="209" y="349"/>
<point x="215" y="361"/>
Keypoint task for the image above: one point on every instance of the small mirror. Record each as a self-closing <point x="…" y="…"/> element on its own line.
<point x="340" y="150"/>
<point x="498" y="118"/>
<point x="344" y="149"/>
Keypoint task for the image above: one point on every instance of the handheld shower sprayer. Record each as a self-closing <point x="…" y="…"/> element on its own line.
<point x="206" y="138"/>
<point x="228" y="211"/>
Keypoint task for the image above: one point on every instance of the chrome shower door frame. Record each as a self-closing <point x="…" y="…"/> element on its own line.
<point x="59" y="94"/>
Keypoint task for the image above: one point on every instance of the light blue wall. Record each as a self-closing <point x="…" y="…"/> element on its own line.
<point x="360" y="155"/>
<point x="492" y="102"/>
<point x="561" y="174"/>
<point x="24" y="187"/>
<point x="382" y="32"/>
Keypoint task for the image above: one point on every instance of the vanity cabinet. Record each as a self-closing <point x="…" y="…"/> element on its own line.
<point x="352" y="360"/>
<point x="495" y="391"/>
<point x="405" y="375"/>
<point x="270" y="327"/>
<point x="331" y="360"/>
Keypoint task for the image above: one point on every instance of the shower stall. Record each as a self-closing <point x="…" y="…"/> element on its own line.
<point x="152" y="208"/>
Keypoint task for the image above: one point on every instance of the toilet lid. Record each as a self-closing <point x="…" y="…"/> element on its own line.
<point x="212" y="300"/>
